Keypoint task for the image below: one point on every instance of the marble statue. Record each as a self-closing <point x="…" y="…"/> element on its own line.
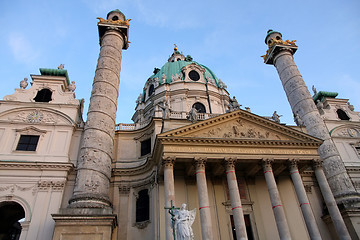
<point x="183" y="220"/>
<point x="276" y="117"/>
<point x="298" y="120"/>
<point x="192" y="114"/>
<point x="72" y="86"/>
<point x="24" y="83"/>
<point x="166" y="110"/>
<point x="235" y="104"/>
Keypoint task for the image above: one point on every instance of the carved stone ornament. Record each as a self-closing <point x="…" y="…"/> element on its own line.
<point x="317" y="163"/>
<point x="199" y="162"/>
<point x="229" y="163"/>
<point x="168" y="161"/>
<point x="292" y="163"/>
<point x="124" y="189"/>
<point x="239" y="129"/>
<point x="142" y="225"/>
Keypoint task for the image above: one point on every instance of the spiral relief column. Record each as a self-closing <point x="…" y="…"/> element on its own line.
<point x="280" y="54"/>
<point x="94" y="163"/>
<point x="89" y="214"/>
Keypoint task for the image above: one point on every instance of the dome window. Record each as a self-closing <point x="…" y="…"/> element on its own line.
<point x="115" y="18"/>
<point x="151" y="90"/>
<point x="342" y="115"/>
<point x="44" y="95"/>
<point x="199" y="107"/>
<point x="194" y="75"/>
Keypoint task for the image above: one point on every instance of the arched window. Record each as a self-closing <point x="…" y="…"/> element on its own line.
<point x="151" y="89"/>
<point x="143" y="206"/>
<point x="199" y="107"/>
<point x="11" y="213"/>
<point x="44" y="95"/>
<point x="342" y="115"/>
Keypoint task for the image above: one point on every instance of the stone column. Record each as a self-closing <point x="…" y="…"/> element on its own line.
<point x="277" y="206"/>
<point x="309" y="218"/>
<point x="96" y="152"/>
<point x="169" y="190"/>
<point x="204" y="208"/>
<point x="330" y="202"/>
<point x="236" y="207"/>
<point x="280" y="54"/>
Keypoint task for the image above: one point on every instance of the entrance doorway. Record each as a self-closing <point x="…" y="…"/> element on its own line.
<point x="10" y="227"/>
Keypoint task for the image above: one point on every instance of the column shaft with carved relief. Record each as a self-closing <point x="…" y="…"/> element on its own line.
<point x="330" y="202"/>
<point x="277" y="206"/>
<point x="235" y="199"/>
<point x="306" y="210"/>
<point x="169" y="191"/>
<point x="96" y="151"/>
<point x="280" y="54"/>
<point x="204" y="206"/>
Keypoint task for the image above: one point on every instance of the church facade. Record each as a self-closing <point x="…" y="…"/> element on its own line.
<point x="247" y="176"/>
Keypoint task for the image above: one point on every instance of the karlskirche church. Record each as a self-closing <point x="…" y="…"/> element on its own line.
<point x="241" y="175"/>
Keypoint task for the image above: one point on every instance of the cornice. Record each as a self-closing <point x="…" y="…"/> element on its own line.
<point x="36" y="165"/>
<point x="187" y="140"/>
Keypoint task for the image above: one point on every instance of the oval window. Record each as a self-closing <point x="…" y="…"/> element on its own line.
<point x="194" y="75"/>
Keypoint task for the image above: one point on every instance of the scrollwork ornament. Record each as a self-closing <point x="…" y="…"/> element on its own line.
<point x="317" y="163"/>
<point x="229" y="163"/>
<point x="293" y="164"/>
<point x="199" y="162"/>
<point x="168" y="162"/>
<point x="267" y="162"/>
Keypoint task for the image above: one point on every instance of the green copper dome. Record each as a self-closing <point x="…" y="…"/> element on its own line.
<point x="174" y="68"/>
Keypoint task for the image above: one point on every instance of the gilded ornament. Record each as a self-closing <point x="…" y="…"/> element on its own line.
<point x="121" y="22"/>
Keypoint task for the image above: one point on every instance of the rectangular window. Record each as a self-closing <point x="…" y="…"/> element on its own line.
<point x="145" y="147"/>
<point x="27" y="143"/>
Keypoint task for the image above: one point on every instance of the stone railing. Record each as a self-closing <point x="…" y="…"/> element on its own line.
<point x="173" y="115"/>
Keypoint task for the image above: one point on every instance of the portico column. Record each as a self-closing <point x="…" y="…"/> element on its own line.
<point x="330" y="202"/>
<point x="277" y="206"/>
<point x="169" y="190"/>
<point x="204" y="208"/>
<point x="304" y="201"/>
<point x="235" y="199"/>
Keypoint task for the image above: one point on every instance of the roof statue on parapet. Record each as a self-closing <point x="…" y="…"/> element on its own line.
<point x="61" y="66"/>
<point x="23" y="83"/>
<point x="276" y="117"/>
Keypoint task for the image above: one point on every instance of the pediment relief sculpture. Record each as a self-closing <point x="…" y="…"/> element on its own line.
<point x="240" y="124"/>
<point x="238" y="129"/>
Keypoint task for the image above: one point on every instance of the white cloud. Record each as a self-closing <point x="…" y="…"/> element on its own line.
<point x="21" y="48"/>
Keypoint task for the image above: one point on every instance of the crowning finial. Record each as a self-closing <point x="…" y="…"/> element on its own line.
<point x="175" y="48"/>
<point x="61" y="67"/>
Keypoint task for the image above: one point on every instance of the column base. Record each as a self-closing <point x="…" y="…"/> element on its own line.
<point x="84" y="224"/>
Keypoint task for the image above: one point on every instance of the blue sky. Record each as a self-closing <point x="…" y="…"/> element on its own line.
<point x="226" y="36"/>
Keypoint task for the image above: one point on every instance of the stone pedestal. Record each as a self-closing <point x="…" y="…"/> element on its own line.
<point x="84" y="225"/>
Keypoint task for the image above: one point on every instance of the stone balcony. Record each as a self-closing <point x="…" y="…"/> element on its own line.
<point x="173" y="115"/>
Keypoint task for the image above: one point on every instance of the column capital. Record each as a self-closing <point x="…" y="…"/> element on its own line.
<point x="267" y="162"/>
<point x="317" y="163"/>
<point x="229" y="163"/>
<point x="293" y="163"/>
<point x="199" y="162"/>
<point x="168" y="161"/>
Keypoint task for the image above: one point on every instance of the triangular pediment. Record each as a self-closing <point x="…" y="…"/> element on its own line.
<point x="240" y="125"/>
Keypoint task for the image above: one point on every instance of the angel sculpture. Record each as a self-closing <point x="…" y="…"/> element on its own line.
<point x="183" y="220"/>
